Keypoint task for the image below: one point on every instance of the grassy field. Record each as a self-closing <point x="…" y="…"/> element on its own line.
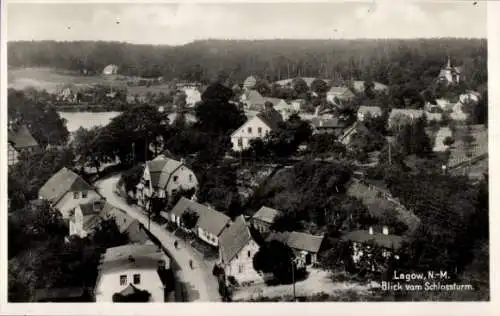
<point x="51" y="79"/>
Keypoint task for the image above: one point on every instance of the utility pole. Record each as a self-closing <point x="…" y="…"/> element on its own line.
<point x="293" y="278"/>
<point x="390" y="156"/>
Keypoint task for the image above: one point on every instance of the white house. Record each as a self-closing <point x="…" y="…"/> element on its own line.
<point x="236" y="252"/>
<point x="129" y="268"/>
<point x="283" y="107"/>
<point x="252" y="99"/>
<point x="371" y="111"/>
<point x="249" y="83"/>
<point x="449" y="74"/>
<point x="110" y="70"/>
<point x="470" y="96"/>
<point x="264" y="218"/>
<point x="256" y="127"/>
<point x="193" y="95"/>
<point x="65" y="190"/>
<point x="162" y="177"/>
<point x="209" y="225"/>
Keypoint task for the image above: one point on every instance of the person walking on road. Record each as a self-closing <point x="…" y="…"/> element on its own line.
<point x="176" y="244"/>
<point x="191" y="263"/>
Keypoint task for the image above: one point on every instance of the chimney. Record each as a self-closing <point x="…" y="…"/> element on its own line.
<point x="385" y="230"/>
<point x="370" y="230"/>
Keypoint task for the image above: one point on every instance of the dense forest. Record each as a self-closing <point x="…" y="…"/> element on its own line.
<point x="389" y="61"/>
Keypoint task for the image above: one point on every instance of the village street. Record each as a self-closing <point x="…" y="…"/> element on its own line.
<point x="199" y="283"/>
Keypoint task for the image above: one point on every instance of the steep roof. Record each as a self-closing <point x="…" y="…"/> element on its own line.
<point x="386" y="241"/>
<point x="298" y="240"/>
<point x="21" y="138"/>
<point x="233" y="239"/>
<point x="272" y="118"/>
<point x="62" y="182"/>
<point x="266" y="214"/>
<point x="160" y="170"/>
<point x="209" y="219"/>
<point x="125" y="223"/>
<point x="255" y="97"/>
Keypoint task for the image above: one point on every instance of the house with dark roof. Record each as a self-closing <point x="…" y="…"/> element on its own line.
<point x="338" y="95"/>
<point x="264" y="218"/>
<point x="258" y="126"/>
<point x="85" y="218"/>
<point x="305" y="246"/>
<point x="334" y="126"/>
<point x="125" y="269"/>
<point x="209" y="225"/>
<point x="236" y="251"/>
<point x="163" y="177"/>
<point x="65" y="190"/>
<point x="19" y="140"/>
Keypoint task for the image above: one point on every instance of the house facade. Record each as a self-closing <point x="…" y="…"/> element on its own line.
<point x="258" y="126"/>
<point x="236" y="252"/>
<point x="84" y="218"/>
<point x="249" y="83"/>
<point x="305" y="246"/>
<point x="209" y="225"/>
<point x="131" y="265"/>
<point x="163" y="177"/>
<point x="449" y="74"/>
<point x="65" y="190"/>
<point x="19" y="140"/>
<point x="193" y="96"/>
<point x="368" y="111"/>
<point x="12" y="154"/>
<point x="334" y="126"/>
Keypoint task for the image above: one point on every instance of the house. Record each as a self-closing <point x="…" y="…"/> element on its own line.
<point x="110" y="70"/>
<point x="339" y="94"/>
<point x="193" y="96"/>
<point x="236" y="251"/>
<point x="399" y="117"/>
<point x="264" y="218"/>
<point x="469" y="96"/>
<point x="368" y="111"/>
<point x="441" y="135"/>
<point x="252" y="99"/>
<point x="163" y="177"/>
<point x="65" y="190"/>
<point x="362" y="240"/>
<point x="19" y="140"/>
<point x="249" y="83"/>
<point x="433" y="116"/>
<point x="85" y="218"/>
<point x="356" y="128"/>
<point x="127" y="269"/>
<point x="283" y="107"/>
<point x="458" y="113"/>
<point x="256" y="127"/>
<point x="334" y="126"/>
<point x="298" y="104"/>
<point x="209" y="225"/>
<point x="449" y="74"/>
<point x="359" y="86"/>
<point x="305" y="246"/>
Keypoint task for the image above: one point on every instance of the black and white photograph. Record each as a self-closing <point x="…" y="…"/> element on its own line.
<point x="239" y="152"/>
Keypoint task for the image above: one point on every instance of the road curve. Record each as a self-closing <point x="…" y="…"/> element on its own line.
<point x="195" y="279"/>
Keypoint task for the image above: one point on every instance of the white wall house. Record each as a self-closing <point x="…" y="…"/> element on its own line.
<point x="258" y="126"/>
<point x="193" y="95"/>
<point x="209" y="225"/>
<point x="133" y="265"/>
<point x="163" y="177"/>
<point x="236" y="252"/>
<point x="368" y="111"/>
<point x="65" y="190"/>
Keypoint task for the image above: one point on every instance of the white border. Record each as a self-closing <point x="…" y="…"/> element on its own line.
<point x="266" y="308"/>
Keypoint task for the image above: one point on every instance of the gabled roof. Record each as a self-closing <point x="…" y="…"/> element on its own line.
<point x="271" y="117"/>
<point x="266" y="214"/>
<point x="131" y="256"/>
<point x="62" y="182"/>
<point x="21" y="138"/>
<point x="340" y="91"/>
<point x="125" y="223"/>
<point x="209" y="219"/>
<point x="250" y="82"/>
<point x="386" y="241"/>
<point x="298" y="240"/>
<point x="255" y="97"/>
<point x="160" y="170"/>
<point x="233" y="239"/>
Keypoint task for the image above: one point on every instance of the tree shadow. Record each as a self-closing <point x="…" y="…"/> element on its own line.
<point x="299" y="276"/>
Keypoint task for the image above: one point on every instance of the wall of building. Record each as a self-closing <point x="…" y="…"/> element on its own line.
<point x="109" y="284"/>
<point x="68" y="202"/>
<point x="243" y="133"/>
<point x="13" y="155"/>
<point x="241" y="267"/>
<point x="207" y="237"/>
<point x="182" y="178"/>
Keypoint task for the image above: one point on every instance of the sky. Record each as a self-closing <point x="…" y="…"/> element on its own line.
<point x="181" y="23"/>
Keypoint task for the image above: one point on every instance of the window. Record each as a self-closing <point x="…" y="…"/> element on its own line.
<point x="241" y="268"/>
<point x="75" y="195"/>
<point x="123" y="279"/>
<point x="147" y="183"/>
<point x="175" y="178"/>
<point x="84" y="194"/>
<point x="190" y="178"/>
<point x="249" y="254"/>
<point x="259" y="130"/>
<point x="249" y="130"/>
<point x="240" y="142"/>
<point x="137" y="279"/>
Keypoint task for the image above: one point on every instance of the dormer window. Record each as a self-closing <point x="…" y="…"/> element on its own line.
<point x="259" y="130"/>
<point x="176" y="178"/>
